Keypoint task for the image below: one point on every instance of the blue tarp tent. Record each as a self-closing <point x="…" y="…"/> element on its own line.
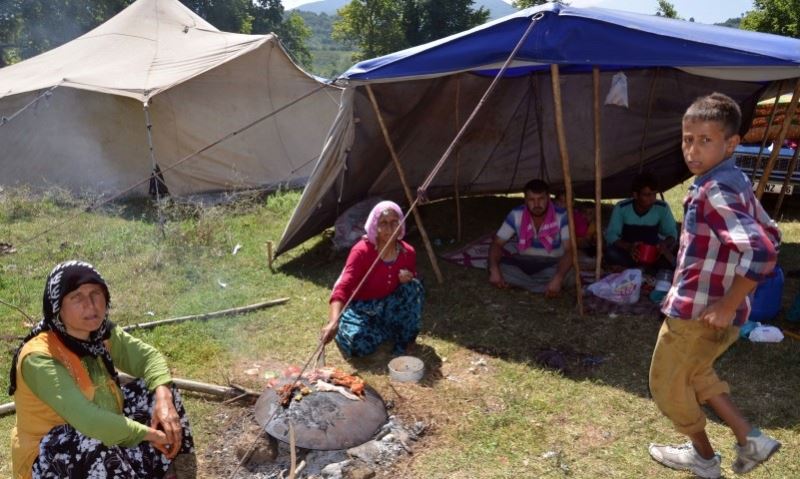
<point x="425" y="93"/>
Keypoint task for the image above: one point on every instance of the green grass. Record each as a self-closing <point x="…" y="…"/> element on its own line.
<point x="509" y="419"/>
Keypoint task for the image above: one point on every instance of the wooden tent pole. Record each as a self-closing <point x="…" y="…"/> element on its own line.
<point x="407" y="190"/>
<point x="776" y="149"/>
<point x="598" y="173"/>
<point x="458" y="161"/>
<point x="766" y="131"/>
<point x="562" y="147"/>
<point x="786" y="179"/>
<point x="647" y="119"/>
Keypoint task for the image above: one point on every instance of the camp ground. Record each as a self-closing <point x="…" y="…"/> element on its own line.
<point x="151" y="87"/>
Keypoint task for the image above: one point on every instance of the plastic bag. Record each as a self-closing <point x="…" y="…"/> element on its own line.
<point x="618" y="93"/>
<point x="622" y="288"/>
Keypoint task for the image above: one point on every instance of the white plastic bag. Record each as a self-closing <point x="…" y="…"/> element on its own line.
<point x="622" y="288"/>
<point x="618" y="93"/>
<point x="765" y="334"/>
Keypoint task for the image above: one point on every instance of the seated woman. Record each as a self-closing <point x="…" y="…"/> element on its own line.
<point x="387" y="301"/>
<point x="73" y="418"/>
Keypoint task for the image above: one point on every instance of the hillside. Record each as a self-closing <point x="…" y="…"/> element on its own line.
<point x="497" y="8"/>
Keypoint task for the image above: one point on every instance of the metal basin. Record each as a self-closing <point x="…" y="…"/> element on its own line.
<point x="322" y="420"/>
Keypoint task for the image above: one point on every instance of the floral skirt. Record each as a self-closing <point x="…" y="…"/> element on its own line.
<point x="364" y="325"/>
<point x="66" y="453"/>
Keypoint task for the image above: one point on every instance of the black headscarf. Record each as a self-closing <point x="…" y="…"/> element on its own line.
<point x="65" y="278"/>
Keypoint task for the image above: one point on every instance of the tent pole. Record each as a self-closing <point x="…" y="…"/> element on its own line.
<point x="562" y="147"/>
<point x="766" y="131"/>
<point x="598" y="174"/>
<point x="407" y="190"/>
<point x="154" y="174"/>
<point x="647" y="118"/>
<point x="458" y="161"/>
<point x="787" y="178"/>
<point x="776" y="150"/>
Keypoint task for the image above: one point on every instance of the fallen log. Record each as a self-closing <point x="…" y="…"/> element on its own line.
<point x="215" y="314"/>
<point x="182" y="384"/>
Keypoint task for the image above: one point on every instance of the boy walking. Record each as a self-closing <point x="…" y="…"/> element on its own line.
<point x="727" y="245"/>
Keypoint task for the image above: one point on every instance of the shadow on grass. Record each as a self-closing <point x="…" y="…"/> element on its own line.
<point x="521" y="327"/>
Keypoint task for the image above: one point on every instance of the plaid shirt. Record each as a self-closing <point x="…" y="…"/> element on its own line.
<point x="726" y="232"/>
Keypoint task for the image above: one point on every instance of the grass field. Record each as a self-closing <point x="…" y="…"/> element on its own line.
<point x="509" y="418"/>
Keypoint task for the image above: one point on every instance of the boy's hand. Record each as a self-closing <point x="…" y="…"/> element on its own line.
<point x="719" y="315"/>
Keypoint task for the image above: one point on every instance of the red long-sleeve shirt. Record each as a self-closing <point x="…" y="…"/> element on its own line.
<point x="382" y="280"/>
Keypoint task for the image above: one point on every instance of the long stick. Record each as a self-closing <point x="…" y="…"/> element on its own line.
<point x="562" y="147"/>
<point x="407" y="190"/>
<point x="425" y="184"/>
<point x="182" y="384"/>
<point x="215" y="314"/>
<point x="458" y="161"/>
<point x="786" y="179"/>
<point x="776" y="150"/>
<point x="766" y="131"/>
<point x="598" y="173"/>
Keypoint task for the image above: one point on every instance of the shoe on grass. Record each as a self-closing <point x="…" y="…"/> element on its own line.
<point x="684" y="457"/>
<point x="757" y="450"/>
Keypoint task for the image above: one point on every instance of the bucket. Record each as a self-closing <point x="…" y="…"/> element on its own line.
<point x="648" y="253"/>
<point x="766" y="301"/>
<point x="406" y="369"/>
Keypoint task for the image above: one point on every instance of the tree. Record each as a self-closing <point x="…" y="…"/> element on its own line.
<point x="227" y="15"/>
<point x="781" y="17"/>
<point x="378" y="27"/>
<point x="666" y="9"/>
<point x="268" y="17"/>
<point x="373" y="26"/>
<point x="440" y="18"/>
<point x="528" y="3"/>
<point x="31" y="27"/>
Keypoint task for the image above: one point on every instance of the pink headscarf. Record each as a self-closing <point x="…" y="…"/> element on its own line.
<point x="371" y="226"/>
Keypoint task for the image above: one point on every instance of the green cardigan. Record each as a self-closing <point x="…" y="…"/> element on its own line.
<point x="100" y="418"/>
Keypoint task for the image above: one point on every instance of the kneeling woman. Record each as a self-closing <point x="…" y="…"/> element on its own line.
<point x="388" y="305"/>
<point x="73" y="418"/>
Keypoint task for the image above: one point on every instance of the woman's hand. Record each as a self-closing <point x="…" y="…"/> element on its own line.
<point x="165" y="417"/>
<point x="404" y="276"/>
<point x="159" y="441"/>
<point x="329" y="332"/>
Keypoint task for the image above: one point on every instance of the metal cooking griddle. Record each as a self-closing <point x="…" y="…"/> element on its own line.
<point x="322" y="420"/>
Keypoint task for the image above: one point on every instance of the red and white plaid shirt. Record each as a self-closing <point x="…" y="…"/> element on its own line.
<point x="725" y="233"/>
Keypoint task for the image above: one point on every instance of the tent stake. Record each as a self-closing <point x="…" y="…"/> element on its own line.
<point x="766" y="131"/>
<point x="789" y="173"/>
<point x="402" y="176"/>
<point x="562" y="147"/>
<point x="598" y="174"/>
<point x="776" y="150"/>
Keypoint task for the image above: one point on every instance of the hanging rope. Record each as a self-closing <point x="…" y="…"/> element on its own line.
<point x="173" y="166"/>
<point x="426" y="184"/>
<point x="156" y="175"/>
<point x="47" y="93"/>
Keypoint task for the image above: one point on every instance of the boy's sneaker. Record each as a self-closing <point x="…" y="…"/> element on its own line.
<point x="684" y="457"/>
<point x="757" y="450"/>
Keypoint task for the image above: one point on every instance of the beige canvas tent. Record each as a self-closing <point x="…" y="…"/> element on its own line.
<point x="76" y="116"/>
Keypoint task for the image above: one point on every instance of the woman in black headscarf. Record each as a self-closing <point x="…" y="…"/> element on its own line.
<point x="73" y="418"/>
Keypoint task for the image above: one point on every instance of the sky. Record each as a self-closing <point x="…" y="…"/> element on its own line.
<point x="704" y="11"/>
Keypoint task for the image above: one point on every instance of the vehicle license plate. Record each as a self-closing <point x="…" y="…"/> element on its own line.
<point x="775" y="188"/>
